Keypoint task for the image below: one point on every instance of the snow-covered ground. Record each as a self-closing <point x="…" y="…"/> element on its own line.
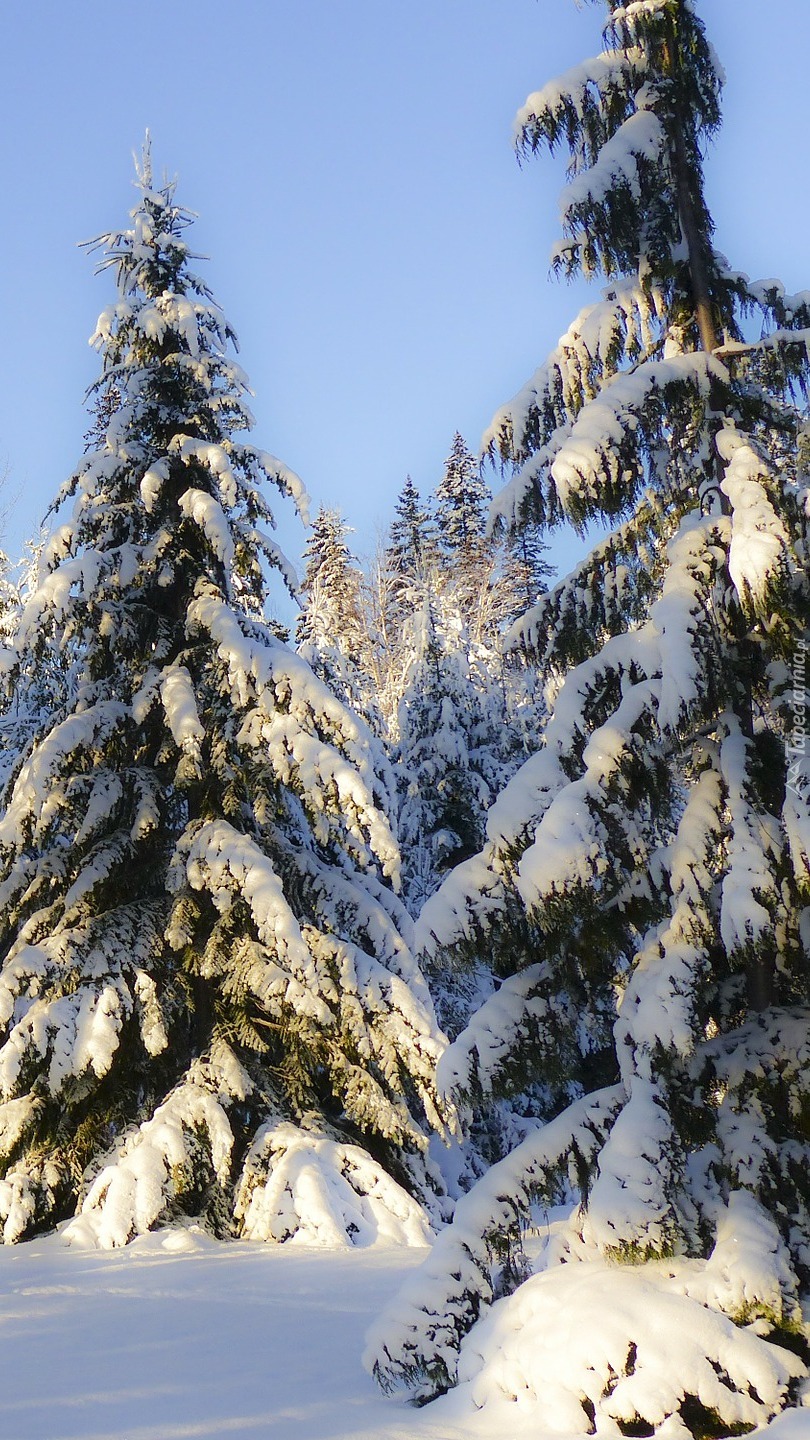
<point x="178" y="1337"/>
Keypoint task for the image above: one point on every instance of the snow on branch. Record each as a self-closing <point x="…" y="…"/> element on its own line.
<point x="638" y="10"/>
<point x="603" y="595"/>
<point x="180" y="708"/>
<point x="625" y="324"/>
<point x="37" y="795"/>
<point x="641" y="138"/>
<point x="275" y="470"/>
<point x="418" y="1337"/>
<point x="73" y="1033"/>
<point x="603" y="440"/>
<point x="472" y="894"/>
<point x="208" y="515"/>
<point x="750" y="906"/>
<point x="306" y="1188"/>
<point x="568" y="849"/>
<point x="658" y="1007"/>
<point x="759" y="555"/>
<point x="682" y="616"/>
<point x="75" y="577"/>
<point x="593" y="88"/>
<point x="629" y="1209"/>
<point x="612" y="1349"/>
<point x="523" y="1009"/>
<point x="287" y="708"/>
<point x="188" y="1139"/>
<point x="477" y="890"/>
<point x="215" y="858"/>
<point x="760" y="1067"/>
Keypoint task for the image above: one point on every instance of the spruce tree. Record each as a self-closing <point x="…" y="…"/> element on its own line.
<point x="458" y="739"/>
<point x="412" y="548"/>
<point x="332" y="630"/>
<point x="526" y="568"/>
<point x="448" y="754"/>
<point x="462" y="504"/>
<point x="644" y="887"/>
<point x="205" y="994"/>
<point x="330" y="587"/>
<point x="459" y="719"/>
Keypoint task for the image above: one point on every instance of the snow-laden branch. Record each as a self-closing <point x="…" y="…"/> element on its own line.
<point x="419" y="1334"/>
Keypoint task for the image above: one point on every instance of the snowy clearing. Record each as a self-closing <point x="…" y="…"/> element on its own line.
<point x="179" y="1336"/>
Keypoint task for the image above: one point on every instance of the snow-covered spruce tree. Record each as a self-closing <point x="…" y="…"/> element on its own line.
<point x="404" y="561"/>
<point x="457" y="743"/>
<point x="462" y="504"/>
<point x="449" y="753"/>
<point x="462" y="500"/>
<point x="645" y="883"/>
<point x="207" y="1002"/>
<point x="526" y="568"/>
<point x="491" y="575"/>
<point x="332" y="629"/>
<point x="463" y="725"/>
<point x="412" y="549"/>
<point x="471" y="582"/>
<point x="447" y="591"/>
<point x="456" y="734"/>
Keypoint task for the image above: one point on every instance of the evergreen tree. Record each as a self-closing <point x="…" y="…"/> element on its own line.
<point x="205" y="993"/>
<point x="458" y="719"/>
<point x="412" y="547"/>
<point x="448" y="755"/>
<point x="494" y="575"/>
<point x="330" y="588"/>
<point x="388" y="653"/>
<point x="645" y="882"/>
<point x="457" y="743"/>
<point x="472" y="584"/>
<point x="526" y="569"/>
<point x="331" y="630"/>
<point x="462" y="505"/>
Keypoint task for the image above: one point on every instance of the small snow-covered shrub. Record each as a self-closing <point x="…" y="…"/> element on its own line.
<point x="308" y="1188"/>
<point x="176" y="1162"/>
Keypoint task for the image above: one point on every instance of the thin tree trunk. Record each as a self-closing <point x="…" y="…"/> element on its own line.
<point x="760" y="969"/>
<point x="698" y="270"/>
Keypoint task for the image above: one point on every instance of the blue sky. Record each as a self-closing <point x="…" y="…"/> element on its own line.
<point x="373" y="241"/>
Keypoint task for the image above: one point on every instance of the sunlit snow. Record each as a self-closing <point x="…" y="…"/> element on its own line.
<point x="180" y="1337"/>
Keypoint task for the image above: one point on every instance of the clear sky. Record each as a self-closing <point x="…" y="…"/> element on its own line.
<point x="373" y="241"/>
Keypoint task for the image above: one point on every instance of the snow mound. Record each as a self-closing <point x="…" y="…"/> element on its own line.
<point x="599" y="1348"/>
<point x="312" y="1190"/>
